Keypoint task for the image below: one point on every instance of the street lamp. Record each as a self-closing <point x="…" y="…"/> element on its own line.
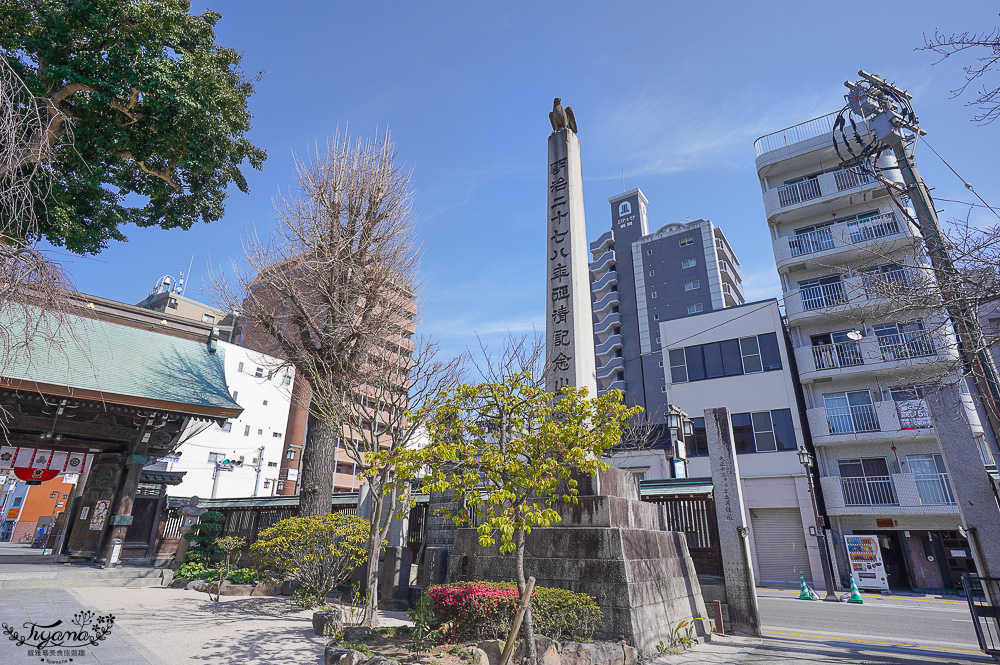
<point x="806" y="460"/>
<point x="679" y="423"/>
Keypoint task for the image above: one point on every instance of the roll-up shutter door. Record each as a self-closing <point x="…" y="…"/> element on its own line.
<point x="780" y="545"/>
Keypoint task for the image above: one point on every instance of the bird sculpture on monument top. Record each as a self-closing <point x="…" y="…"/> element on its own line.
<point x="562" y="118"/>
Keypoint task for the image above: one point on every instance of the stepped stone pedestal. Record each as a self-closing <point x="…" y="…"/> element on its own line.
<point x="611" y="546"/>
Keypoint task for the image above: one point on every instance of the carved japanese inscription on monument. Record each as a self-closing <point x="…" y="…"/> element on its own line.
<point x="569" y="339"/>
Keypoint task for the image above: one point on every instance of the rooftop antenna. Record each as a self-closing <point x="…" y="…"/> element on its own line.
<point x="185" y="276"/>
<point x="623" y="178"/>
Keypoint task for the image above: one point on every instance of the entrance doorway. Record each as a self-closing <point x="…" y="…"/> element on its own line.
<point x="893" y="558"/>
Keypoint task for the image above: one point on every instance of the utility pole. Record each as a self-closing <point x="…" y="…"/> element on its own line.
<point x="215" y="478"/>
<point x="258" y="467"/>
<point x="887" y="111"/>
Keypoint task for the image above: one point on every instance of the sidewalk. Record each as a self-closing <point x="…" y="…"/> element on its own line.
<point x="721" y="650"/>
<point x="888" y="600"/>
<point x="45" y="607"/>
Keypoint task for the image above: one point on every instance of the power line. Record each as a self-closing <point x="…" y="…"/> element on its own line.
<point x="968" y="185"/>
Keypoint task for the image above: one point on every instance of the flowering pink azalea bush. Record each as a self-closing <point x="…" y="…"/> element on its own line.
<point x="467" y="611"/>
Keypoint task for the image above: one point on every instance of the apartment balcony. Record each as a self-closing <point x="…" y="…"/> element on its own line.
<point x="846" y="241"/>
<point x="871" y="354"/>
<point x="820" y="195"/>
<point x="606" y="281"/>
<point x="603" y="262"/>
<point x="609" y="300"/>
<point x="607" y="325"/>
<point x="896" y="494"/>
<point x="614" y="385"/>
<point x="835" y="299"/>
<point x="858" y="423"/>
<point x="608" y="346"/>
<point x="603" y="241"/>
<point x="610" y="368"/>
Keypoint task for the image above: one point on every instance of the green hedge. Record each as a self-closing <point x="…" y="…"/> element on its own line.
<point x="197" y="571"/>
<point x="484" y="610"/>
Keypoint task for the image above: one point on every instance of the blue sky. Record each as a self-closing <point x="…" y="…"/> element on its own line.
<point x="673" y="94"/>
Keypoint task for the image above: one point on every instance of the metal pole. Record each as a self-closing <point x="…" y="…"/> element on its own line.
<point x="260" y="465"/>
<point x="824" y="551"/>
<point x="215" y="479"/>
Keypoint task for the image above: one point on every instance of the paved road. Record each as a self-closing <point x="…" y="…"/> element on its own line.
<point x="880" y="631"/>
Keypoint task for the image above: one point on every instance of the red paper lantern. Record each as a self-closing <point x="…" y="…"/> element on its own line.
<point x="27" y="473"/>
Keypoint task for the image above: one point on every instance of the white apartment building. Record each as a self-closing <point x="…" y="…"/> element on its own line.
<point x="863" y="376"/>
<point x="738" y="358"/>
<point x="256" y="438"/>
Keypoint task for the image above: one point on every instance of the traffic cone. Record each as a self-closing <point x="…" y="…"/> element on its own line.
<point x="804" y="589"/>
<point x="855" y="595"/>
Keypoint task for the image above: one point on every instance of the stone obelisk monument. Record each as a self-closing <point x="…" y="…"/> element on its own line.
<point x="609" y="545"/>
<point x="569" y="328"/>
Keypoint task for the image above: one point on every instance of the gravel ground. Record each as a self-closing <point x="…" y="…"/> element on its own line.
<point x="184" y="627"/>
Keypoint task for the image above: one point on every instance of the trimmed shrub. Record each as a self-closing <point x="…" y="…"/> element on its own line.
<point x="196" y="571"/>
<point x="202" y="538"/>
<point x="484" y="610"/>
<point x="317" y="552"/>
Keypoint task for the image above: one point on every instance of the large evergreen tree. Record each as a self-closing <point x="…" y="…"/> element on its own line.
<point x="147" y="114"/>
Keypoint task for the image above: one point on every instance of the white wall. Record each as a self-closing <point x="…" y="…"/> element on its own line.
<point x="264" y="422"/>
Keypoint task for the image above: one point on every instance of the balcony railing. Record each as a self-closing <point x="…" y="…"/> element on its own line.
<point x="872" y="228"/>
<point x="934" y="489"/>
<point x="799" y="192"/>
<point x="810" y="242"/>
<point x="838" y="354"/>
<point x="869" y="491"/>
<point x="800" y="132"/>
<point x="850" y="178"/>
<point x="823" y="295"/>
<point x="906" y="346"/>
<point x="852" y="419"/>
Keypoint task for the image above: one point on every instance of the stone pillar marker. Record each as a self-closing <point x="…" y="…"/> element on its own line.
<point x="569" y="328"/>
<point x="737" y="567"/>
<point x="971" y="484"/>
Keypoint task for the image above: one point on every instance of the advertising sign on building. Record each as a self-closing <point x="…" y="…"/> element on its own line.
<point x="913" y="414"/>
<point x="865" y="559"/>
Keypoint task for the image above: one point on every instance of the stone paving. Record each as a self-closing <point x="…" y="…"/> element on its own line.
<point x="45" y="607"/>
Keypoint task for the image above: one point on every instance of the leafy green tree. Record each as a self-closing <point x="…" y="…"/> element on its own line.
<point x="317" y="552"/>
<point x="147" y="115"/>
<point x="508" y="450"/>
<point x="202" y="538"/>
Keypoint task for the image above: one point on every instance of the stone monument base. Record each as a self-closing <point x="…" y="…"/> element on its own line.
<point x="611" y="546"/>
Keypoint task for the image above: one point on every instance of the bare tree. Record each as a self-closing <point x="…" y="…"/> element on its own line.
<point x="330" y="287"/>
<point x="407" y="384"/>
<point x="987" y="47"/>
<point x="33" y="287"/>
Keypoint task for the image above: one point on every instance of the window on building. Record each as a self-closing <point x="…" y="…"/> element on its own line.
<point x="723" y="266"/>
<point x="246" y="430"/>
<point x="290" y="454"/>
<point x="850" y="412"/>
<point x="215" y="458"/>
<point x="692" y="285"/>
<point x="663" y="389"/>
<point x="866" y="481"/>
<point x="259" y="373"/>
<point x="272" y="464"/>
<point x="822" y="292"/>
<point x="265" y="402"/>
<point x="276" y="435"/>
<point x="226" y="428"/>
<point x="755" y="432"/>
<point x="931" y="478"/>
<point x="657" y="339"/>
<point x="259" y="432"/>
<point x="172" y="303"/>
<point x="732" y="357"/>
<point x="661" y="363"/>
<point x="239" y="368"/>
<point x="649" y="252"/>
<point x="236" y="394"/>
<point x="696" y="308"/>
<point x="653" y="294"/>
<point x="899" y="341"/>
<point x="287" y="378"/>
<point x="656" y="317"/>
<point x="207" y="318"/>
<point x="689" y="263"/>
<point x="17" y="502"/>
<point x="652" y="272"/>
<point x="684" y="242"/>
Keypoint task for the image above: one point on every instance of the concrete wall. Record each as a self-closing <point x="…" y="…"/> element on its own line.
<point x="264" y="422"/>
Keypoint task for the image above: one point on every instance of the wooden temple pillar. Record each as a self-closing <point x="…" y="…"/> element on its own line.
<point x="121" y="515"/>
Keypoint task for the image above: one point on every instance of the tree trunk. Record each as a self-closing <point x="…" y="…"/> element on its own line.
<point x="316" y="478"/>
<point x="522" y="583"/>
<point x="375" y="540"/>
